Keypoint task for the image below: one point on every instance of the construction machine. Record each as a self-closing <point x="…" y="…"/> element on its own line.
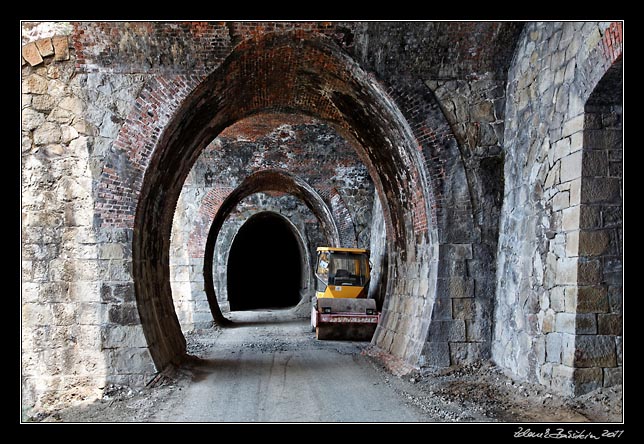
<point x="342" y="309"/>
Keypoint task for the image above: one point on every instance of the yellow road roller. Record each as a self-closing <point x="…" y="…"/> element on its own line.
<point x="341" y="309"/>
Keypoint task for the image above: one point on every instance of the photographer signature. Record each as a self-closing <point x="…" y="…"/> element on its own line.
<point x="566" y="434"/>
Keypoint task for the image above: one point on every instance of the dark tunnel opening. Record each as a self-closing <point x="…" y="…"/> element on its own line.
<point x="264" y="265"/>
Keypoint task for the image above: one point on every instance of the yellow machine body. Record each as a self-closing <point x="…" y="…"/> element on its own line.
<point x="342" y="310"/>
<point x="353" y="263"/>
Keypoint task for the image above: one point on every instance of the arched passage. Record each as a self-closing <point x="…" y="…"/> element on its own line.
<point x="296" y="73"/>
<point x="600" y="237"/>
<point x="267" y="180"/>
<point x="264" y="265"/>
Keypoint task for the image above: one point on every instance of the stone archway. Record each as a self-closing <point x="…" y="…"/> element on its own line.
<point x="266" y="180"/>
<point x="288" y="73"/>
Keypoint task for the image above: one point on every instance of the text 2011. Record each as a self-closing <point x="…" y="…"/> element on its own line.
<point x="612" y="433"/>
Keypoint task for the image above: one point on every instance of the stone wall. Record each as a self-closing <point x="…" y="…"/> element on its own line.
<point x="116" y="114"/>
<point x="551" y="293"/>
<point x="471" y="97"/>
<point x="79" y="321"/>
<point x="302" y="146"/>
<point x="601" y="239"/>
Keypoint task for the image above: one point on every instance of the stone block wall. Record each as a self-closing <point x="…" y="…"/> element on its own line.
<point x="461" y="333"/>
<point x="379" y="255"/>
<point x="115" y="115"/>
<point x="553" y="270"/>
<point x="80" y="327"/>
<point x="601" y="240"/>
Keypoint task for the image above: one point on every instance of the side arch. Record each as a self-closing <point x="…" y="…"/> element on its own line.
<point x="546" y="319"/>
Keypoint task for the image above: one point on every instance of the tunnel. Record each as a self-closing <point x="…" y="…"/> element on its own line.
<point x="496" y="229"/>
<point x="264" y="265"/>
<point x="312" y="77"/>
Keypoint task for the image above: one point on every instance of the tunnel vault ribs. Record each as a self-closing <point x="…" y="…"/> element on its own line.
<point x="190" y="129"/>
<point x="450" y="119"/>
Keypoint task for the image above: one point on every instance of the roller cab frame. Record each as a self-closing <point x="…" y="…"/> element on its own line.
<point x="341" y="309"/>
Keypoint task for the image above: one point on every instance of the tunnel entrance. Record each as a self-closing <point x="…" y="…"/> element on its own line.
<point x="264" y="265"/>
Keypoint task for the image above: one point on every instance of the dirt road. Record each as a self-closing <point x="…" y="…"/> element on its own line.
<point x="272" y="369"/>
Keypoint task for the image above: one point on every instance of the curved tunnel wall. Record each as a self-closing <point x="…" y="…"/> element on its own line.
<point x="375" y="125"/>
<point x="113" y="104"/>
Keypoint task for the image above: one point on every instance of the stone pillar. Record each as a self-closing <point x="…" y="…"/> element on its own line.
<point x="558" y="260"/>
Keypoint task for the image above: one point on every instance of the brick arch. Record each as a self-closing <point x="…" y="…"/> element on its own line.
<point x="207" y="210"/>
<point x="265" y="180"/>
<point x="606" y="54"/>
<point x="342" y="216"/>
<point x="239" y="216"/>
<point x="215" y="197"/>
<point x="298" y="73"/>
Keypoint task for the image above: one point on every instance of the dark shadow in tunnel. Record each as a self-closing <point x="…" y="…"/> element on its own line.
<point x="264" y="265"/>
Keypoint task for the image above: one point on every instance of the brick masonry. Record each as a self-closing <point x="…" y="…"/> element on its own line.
<point x="114" y="119"/>
<point x="303" y="146"/>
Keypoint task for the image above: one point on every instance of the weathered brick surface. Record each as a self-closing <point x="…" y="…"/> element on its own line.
<point x="116" y="116"/>
<point x="305" y="147"/>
